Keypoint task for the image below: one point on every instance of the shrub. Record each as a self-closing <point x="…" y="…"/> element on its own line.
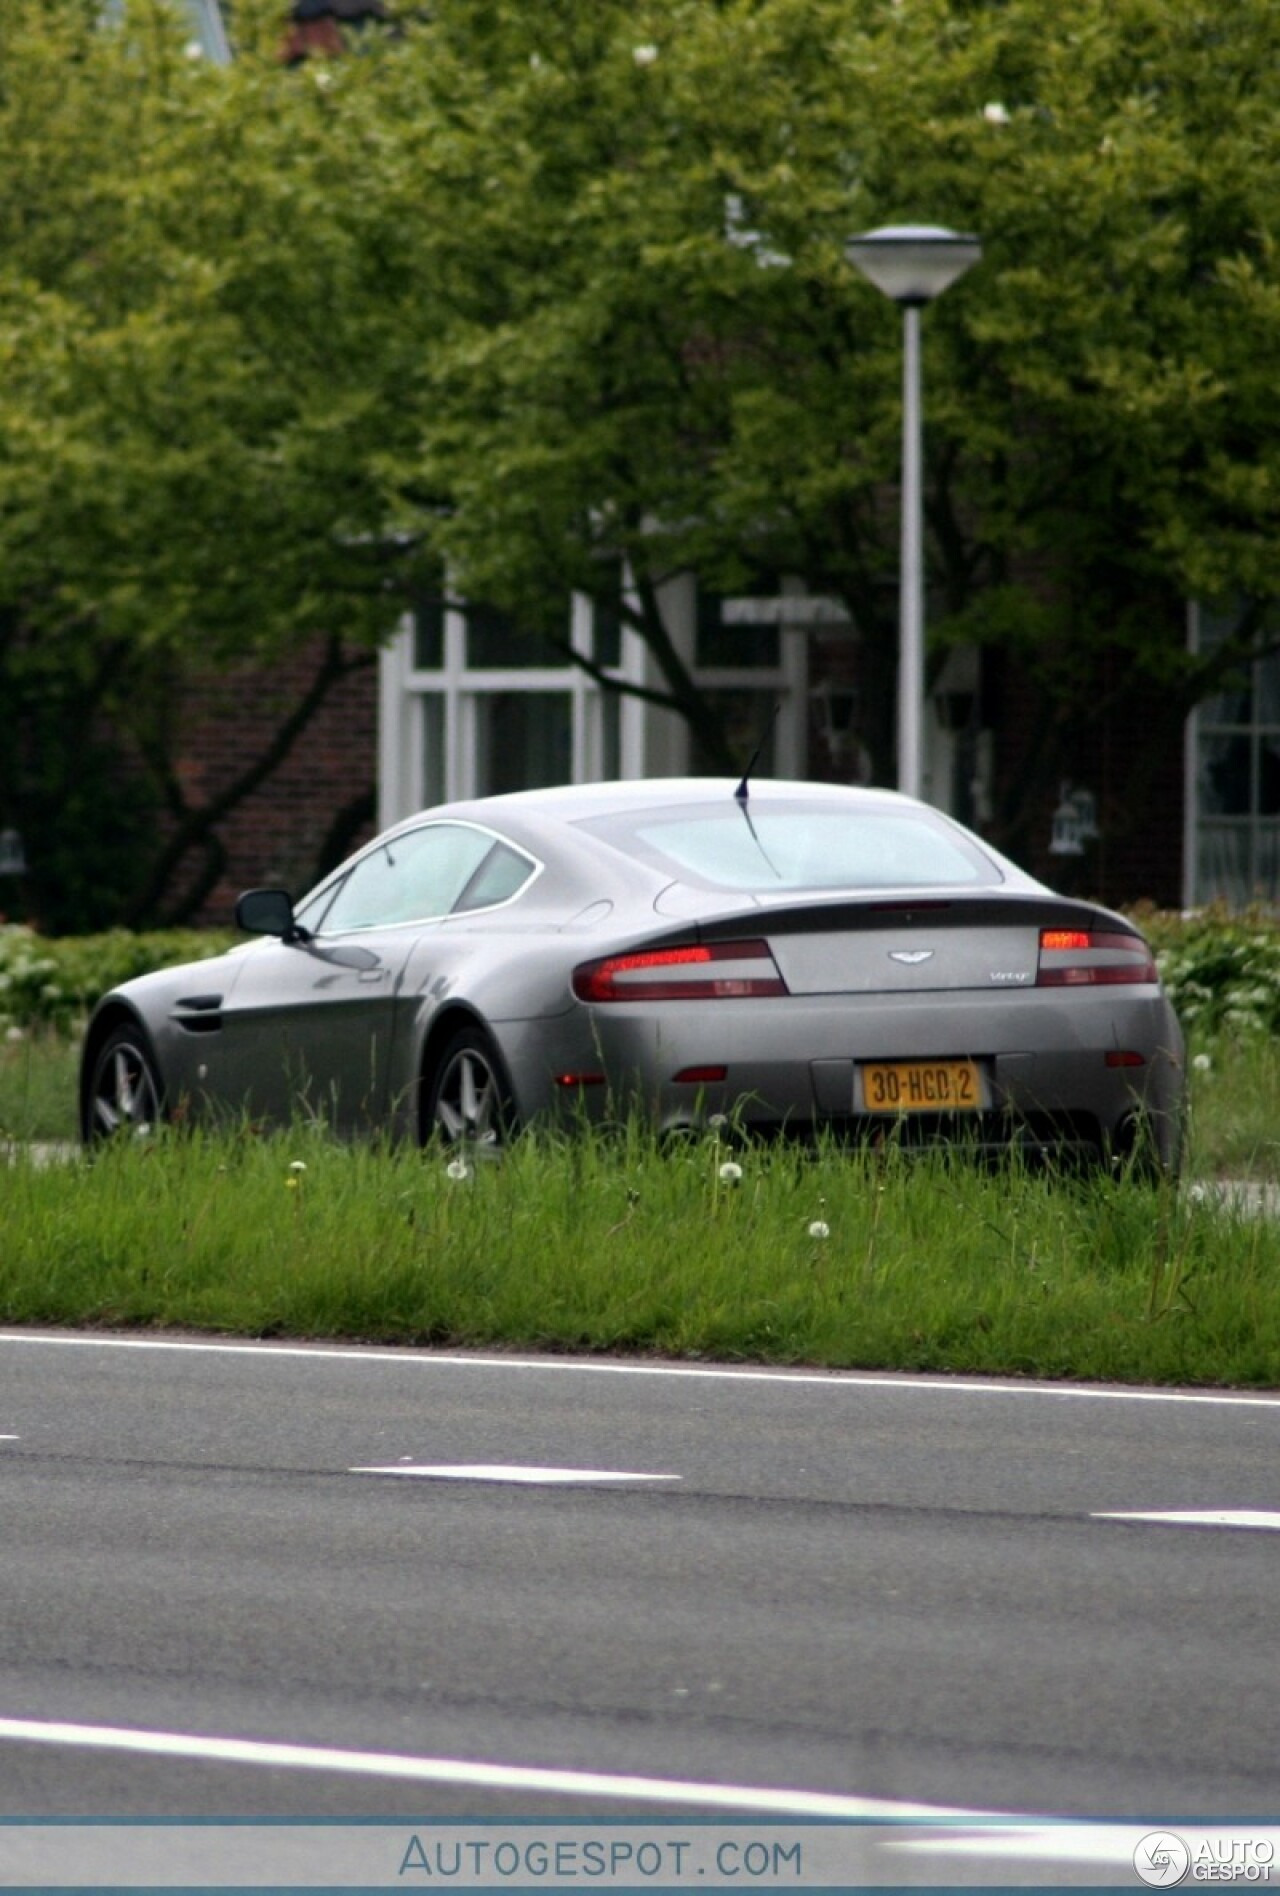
<point x="55" y="980"/>
<point x="1222" y="971"/>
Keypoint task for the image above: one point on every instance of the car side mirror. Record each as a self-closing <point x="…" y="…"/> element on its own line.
<point x="268" y="912"/>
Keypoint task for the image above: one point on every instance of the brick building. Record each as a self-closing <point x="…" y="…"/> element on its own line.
<point x="458" y="704"/>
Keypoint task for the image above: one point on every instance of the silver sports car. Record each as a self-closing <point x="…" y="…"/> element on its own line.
<point x="794" y="956"/>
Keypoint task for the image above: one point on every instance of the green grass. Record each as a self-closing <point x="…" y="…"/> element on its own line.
<point x="617" y="1244"/>
<point x="1234" y="1129"/>
<point x="602" y="1243"/>
<point x="1234" y="1122"/>
<point x="38" y="1084"/>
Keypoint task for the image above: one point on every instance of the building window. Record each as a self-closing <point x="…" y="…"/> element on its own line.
<point x="496" y="643"/>
<point x="524" y="740"/>
<point x="1233" y="843"/>
<point x="473" y="705"/>
<point x="750" y="657"/>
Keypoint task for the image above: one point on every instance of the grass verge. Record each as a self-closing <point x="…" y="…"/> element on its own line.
<point x="1234" y="1085"/>
<point x="615" y="1244"/>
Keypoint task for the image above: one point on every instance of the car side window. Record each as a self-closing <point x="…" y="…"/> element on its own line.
<point x="414" y="877"/>
<point x="499" y="876"/>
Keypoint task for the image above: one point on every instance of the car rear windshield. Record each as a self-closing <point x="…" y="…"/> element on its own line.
<point x="770" y="848"/>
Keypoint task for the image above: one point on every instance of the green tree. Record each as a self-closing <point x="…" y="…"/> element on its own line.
<point x="623" y="371"/>
<point x="531" y="287"/>
<point x="192" y="341"/>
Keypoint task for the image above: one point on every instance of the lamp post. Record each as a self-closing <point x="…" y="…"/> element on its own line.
<point x="912" y="263"/>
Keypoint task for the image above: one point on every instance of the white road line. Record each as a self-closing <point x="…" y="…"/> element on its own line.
<point x="462" y="1771"/>
<point x="573" y="1366"/>
<point x="509" y="1471"/>
<point x="1205" y="1517"/>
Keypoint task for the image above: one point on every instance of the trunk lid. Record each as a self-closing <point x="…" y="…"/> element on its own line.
<point x="882" y="946"/>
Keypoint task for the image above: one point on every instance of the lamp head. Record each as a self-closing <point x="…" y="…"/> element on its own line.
<point x="913" y="263"/>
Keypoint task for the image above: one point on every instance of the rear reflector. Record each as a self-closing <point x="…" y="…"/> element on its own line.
<point x="579" y="1079"/>
<point x="1078" y="957"/>
<point x="700" y="1076"/>
<point x="1118" y="1059"/>
<point x="718" y="971"/>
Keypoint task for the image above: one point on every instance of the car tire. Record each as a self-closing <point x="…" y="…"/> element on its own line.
<point x="125" y="1097"/>
<point x="469" y="1101"/>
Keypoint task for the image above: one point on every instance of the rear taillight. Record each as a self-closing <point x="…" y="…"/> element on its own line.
<point x="1085" y="957"/>
<point x="720" y="971"/>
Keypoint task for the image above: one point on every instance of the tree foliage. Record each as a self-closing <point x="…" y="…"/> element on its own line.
<point x="626" y="367"/>
<point x="532" y="287"/>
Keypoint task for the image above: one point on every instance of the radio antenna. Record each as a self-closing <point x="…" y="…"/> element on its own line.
<point x="742" y="792"/>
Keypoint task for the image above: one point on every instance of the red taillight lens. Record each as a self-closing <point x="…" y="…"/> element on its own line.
<point x="720" y="971"/>
<point x="1056" y="939"/>
<point x="1078" y="957"/>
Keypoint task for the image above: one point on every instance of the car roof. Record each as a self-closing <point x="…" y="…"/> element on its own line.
<point x="573" y="803"/>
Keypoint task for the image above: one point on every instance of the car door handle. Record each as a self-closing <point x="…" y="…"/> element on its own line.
<point x="369" y="975"/>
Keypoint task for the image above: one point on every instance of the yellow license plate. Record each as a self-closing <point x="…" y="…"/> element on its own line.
<point x="922" y="1086"/>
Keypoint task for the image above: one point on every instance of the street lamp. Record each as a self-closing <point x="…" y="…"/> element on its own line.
<point x="912" y="263"/>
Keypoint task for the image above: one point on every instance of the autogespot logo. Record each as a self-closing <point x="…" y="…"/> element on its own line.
<point x="1162" y="1859"/>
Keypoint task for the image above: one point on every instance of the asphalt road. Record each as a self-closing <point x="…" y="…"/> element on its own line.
<point x="892" y="1590"/>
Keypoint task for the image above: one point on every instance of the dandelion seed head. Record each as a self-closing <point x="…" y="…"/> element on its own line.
<point x="1203" y="1063"/>
<point x="297" y="1165"/>
<point x="645" y="55"/>
<point x="818" y="1229"/>
<point x="731" y="1172"/>
<point x="458" y="1169"/>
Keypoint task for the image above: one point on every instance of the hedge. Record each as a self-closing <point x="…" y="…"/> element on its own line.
<point x="55" y="980"/>
<point x="1222" y="971"/>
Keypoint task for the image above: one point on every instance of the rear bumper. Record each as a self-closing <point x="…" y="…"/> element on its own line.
<point x="795" y="1063"/>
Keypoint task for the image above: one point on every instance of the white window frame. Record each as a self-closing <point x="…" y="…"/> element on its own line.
<point x="404" y="690"/>
<point x="1193" y="818"/>
<point x="652" y="742"/>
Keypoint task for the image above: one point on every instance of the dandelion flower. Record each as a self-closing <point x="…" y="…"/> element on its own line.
<point x="819" y="1230"/>
<point x="291" y="1184"/>
<point x="730" y="1173"/>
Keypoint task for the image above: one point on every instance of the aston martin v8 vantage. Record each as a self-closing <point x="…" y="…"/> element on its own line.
<point x="793" y="956"/>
